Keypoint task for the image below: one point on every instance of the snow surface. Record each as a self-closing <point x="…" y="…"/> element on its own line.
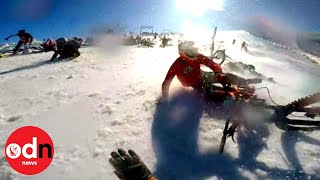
<point x="105" y="100"/>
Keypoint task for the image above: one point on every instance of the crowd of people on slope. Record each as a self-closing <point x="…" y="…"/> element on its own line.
<point x="62" y="47"/>
<point x="69" y="48"/>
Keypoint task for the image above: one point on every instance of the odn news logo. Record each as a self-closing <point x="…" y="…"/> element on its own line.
<point x="29" y="150"/>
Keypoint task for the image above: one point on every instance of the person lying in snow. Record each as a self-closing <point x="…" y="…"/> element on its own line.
<point x="242" y="67"/>
<point x="188" y="71"/>
<point x="25" y="40"/>
<point x="129" y="166"/>
<point x="66" y="49"/>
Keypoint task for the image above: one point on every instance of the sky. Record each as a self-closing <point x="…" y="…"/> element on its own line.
<point x="65" y="18"/>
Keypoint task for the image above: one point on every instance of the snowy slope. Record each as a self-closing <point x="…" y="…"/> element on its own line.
<point x="105" y="100"/>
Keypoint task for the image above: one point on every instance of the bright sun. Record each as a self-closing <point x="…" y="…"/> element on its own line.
<point x="199" y="7"/>
<point x="196" y="32"/>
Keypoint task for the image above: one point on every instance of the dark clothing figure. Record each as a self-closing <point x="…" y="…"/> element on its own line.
<point x="165" y="41"/>
<point x="234" y="41"/>
<point x="66" y="49"/>
<point x="25" y="39"/>
<point x="58" y="46"/>
<point x="71" y="49"/>
<point x="244" y="46"/>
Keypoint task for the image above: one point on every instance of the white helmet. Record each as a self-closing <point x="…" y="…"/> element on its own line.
<point x="186" y="48"/>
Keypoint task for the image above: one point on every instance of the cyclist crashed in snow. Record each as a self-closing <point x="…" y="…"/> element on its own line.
<point x="66" y="49"/>
<point x="188" y="71"/>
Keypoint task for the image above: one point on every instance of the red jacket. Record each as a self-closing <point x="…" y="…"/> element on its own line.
<point x="188" y="71"/>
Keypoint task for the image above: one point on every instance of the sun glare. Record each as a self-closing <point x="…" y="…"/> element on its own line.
<point x="199" y="7"/>
<point x="196" y="32"/>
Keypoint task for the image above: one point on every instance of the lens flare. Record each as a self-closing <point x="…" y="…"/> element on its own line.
<point x="199" y="7"/>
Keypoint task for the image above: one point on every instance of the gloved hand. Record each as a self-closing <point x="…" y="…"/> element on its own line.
<point x="129" y="167"/>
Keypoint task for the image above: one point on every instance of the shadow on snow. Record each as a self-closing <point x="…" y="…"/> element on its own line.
<point x="32" y="66"/>
<point x="175" y="142"/>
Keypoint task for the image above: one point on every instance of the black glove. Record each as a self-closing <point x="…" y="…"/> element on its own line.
<point x="129" y="167"/>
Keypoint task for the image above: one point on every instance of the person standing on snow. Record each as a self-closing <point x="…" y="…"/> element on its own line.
<point x="25" y="39"/>
<point x="244" y="46"/>
<point x="188" y="71"/>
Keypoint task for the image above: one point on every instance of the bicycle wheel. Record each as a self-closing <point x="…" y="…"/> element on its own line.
<point x="219" y="57"/>
<point x="305" y="122"/>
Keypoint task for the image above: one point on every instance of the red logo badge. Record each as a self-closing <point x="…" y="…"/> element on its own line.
<point x="29" y="150"/>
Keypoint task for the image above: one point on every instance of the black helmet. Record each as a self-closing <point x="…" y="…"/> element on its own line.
<point x="22" y="31"/>
<point x="61" y="42"/>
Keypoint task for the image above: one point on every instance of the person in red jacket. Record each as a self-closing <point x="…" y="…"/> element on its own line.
<point x="188" y="71"/>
